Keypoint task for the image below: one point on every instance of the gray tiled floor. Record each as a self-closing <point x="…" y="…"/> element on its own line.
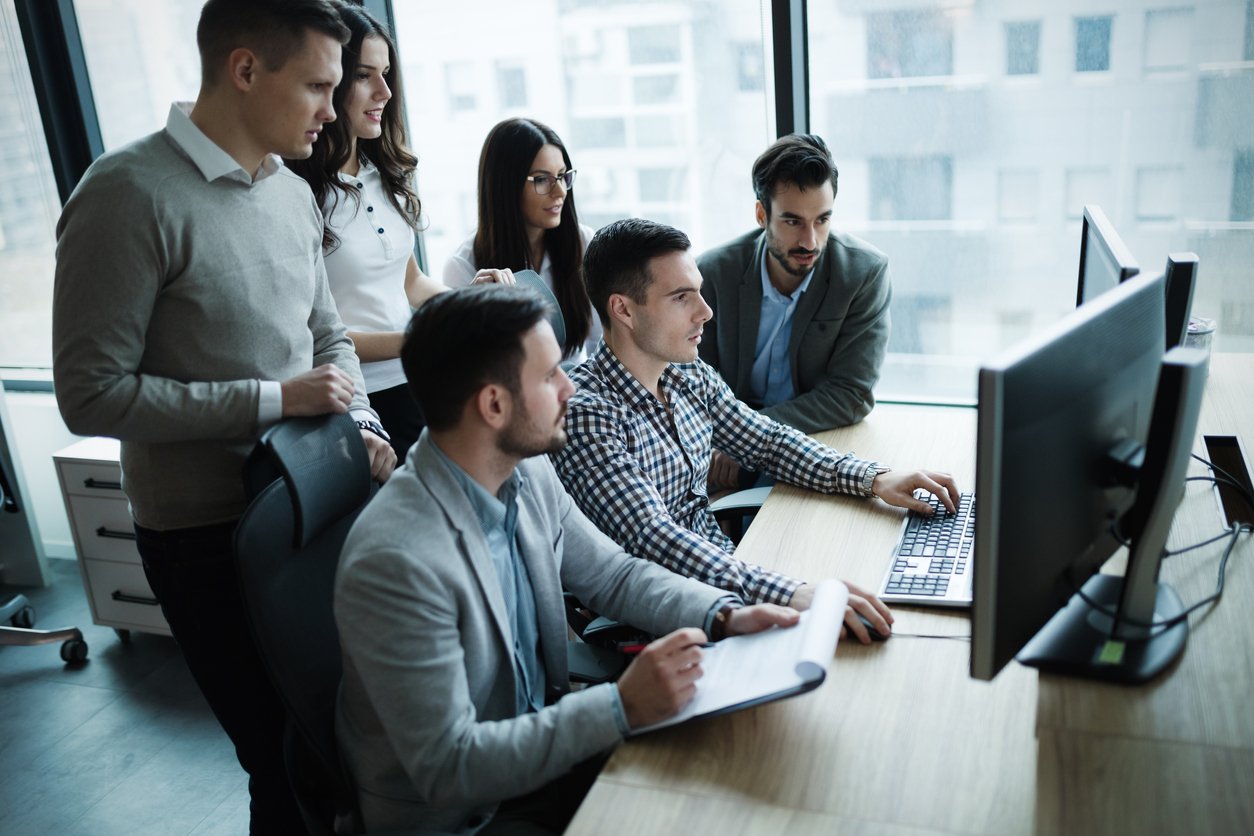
<point x="123" y="744"/>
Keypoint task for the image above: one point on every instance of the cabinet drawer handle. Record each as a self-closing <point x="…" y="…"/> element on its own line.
<point x="115" y="535"/>
<point x="119" y="595"/>
<point x="102" y="484"/>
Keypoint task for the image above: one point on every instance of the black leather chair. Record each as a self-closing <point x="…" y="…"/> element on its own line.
<point x="311" y="478"/>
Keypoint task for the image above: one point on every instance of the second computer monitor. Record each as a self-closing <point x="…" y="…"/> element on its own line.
<point x="1063" y="421"/>
<point x="1181" y="279"/>
<point x="1105" y="261"/>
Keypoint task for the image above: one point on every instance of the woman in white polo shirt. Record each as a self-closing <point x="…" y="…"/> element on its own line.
<point x="361" y="173"/>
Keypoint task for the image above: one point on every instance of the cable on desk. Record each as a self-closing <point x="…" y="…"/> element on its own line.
<point x="896" y="635"/>
<point x="1234" y="534"/>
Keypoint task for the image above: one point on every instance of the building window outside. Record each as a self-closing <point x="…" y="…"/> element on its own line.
<point x="1168" y="39"/>
<point x="655" y="89"/>
<point x="654" y="45"/>
<point x="1242" y="186"/>
<point x="911" y="188"/>
<point x="750" y="67"/>
<point x="1158" y="190"/>
<point x="1092" y="44"/>
<point x="460" y="86"/>
<point x="1023" y="48"/>
<point x="511" y="85"/>
<point x="1089" y="185"/>
<point x="911" y="43"/>
<point x="1247" y="52"/>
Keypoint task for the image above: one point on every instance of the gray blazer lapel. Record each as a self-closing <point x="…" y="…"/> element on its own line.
<point x="750" y="315"/>
<point x="452" y="499"/>
<point x="535" y="540"/>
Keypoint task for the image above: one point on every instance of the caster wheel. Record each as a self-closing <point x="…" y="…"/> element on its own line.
<point x="124" y="636"/>
<point x="74" y="650"/>
<point x="25" y="618"/>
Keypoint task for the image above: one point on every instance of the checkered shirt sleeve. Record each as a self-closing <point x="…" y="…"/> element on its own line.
<point x="761" y="444"/>
<point x="644" y="483"/>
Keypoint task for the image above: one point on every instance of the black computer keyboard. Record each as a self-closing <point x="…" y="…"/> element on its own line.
<point x="932" y="560"/>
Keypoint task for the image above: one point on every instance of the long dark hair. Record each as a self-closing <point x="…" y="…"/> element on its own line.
<point x="389" y="153"/>
<point x="501" y="240"/>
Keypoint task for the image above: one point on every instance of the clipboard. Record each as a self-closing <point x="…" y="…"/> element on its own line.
<point x="743" y="671"/>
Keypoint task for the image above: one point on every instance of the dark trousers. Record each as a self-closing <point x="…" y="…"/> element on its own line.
<point x="192" y="573"/>
<point x="549" y="809"/>
<point x="400" y="416"/>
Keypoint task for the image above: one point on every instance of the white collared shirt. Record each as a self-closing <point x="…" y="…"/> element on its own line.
<point x="208" y="156"/>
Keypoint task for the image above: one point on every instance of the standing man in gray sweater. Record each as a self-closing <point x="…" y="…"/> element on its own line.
<point x="190" y="311"/>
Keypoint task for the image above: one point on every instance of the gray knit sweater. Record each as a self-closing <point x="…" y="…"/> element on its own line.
<point x="174" y="296"/>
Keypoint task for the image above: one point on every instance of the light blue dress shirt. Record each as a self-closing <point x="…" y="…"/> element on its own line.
<point x="770" y="380"/>
<point x="498" y="517"/>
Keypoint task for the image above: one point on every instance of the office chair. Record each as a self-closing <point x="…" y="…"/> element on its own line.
<point x="19" y="612"/>
<point x="287" y="547"/>
<point x="736" y="507"/>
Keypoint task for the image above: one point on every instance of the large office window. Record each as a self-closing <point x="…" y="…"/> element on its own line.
<point x="974" y="183"/>
<point x="28" y="210"/>
<point x="662" y="106"/>
<point x="141" y="57"/>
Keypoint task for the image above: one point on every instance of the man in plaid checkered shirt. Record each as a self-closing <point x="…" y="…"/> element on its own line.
<point x="646" y="412"/>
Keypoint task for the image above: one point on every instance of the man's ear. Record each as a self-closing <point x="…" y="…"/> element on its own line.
<point x="759" y="212"/>
<point x="242" y="66"/>
<point x="621" y="311"/>
<point x="493" y="405"/>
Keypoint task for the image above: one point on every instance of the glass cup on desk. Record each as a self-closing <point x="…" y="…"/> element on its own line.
<point x="1200" y="333"/>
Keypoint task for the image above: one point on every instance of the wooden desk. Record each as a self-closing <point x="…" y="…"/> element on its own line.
<point x="901" y="740"/>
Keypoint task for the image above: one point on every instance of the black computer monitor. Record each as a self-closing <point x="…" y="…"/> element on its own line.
<point x="1083" y="440"/>
<point x="1181" y="277"/>
<point x="1104" y="259"/>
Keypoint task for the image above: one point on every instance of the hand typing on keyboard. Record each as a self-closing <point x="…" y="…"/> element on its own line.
<point x="897" y="487"/>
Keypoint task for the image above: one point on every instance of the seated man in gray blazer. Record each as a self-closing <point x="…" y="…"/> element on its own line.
<point x="454" y="712"/>
<point x="800" y="311"/>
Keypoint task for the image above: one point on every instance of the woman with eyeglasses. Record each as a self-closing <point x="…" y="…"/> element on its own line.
<point x="361" y="173"/>
<point x="527" y="220"/>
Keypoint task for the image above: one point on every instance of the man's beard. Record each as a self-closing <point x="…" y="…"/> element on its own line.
<point x="521" y="440"/>
<point x="780" y="257"/>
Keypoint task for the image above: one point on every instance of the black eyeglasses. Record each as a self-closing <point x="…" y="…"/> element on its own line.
<point x="544" y="182"/>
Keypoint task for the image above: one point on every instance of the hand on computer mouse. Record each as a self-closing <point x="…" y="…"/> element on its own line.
<point x="871" y="631"/>
<point x="867" y="618"/>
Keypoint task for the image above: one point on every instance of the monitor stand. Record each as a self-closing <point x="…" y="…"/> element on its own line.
<point x="1078" y="640"/>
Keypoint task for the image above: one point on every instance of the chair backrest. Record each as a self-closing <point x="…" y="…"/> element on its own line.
<point x="287" y="547"/>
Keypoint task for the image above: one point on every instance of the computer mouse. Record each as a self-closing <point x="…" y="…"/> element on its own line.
<point x="876" y="635"/>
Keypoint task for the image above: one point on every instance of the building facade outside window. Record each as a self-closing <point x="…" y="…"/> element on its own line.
<point x="1039" y="107"/>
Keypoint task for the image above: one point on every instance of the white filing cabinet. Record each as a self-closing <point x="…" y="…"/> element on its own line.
<point x="104" y="536"/>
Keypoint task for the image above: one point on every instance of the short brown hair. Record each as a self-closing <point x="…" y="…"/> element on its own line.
<point x="274" y="29"/>
<point x="617" y="260"/>
<point x="463" y="340"/>
<point x="800" y="159"/>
